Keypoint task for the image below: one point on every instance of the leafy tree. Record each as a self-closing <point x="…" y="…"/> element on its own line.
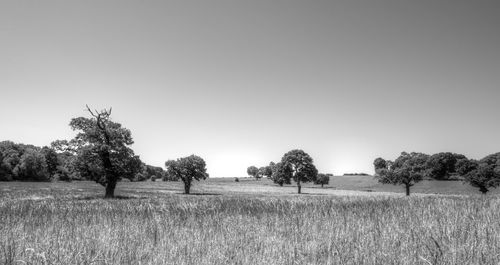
<point x="265" y="171"/>
<point x="323" y="179"/>
<point x="102" y="150"/>
<point x="301" y="167"/>
<point x="32" y="166"/>
<point x="281" y="174"/>
<point x="484" y="177"/>
<point x="51" y="159"/>
<point x="379" y="164"/>
<point x="253" y="171"/>
<point x="442" y="165"/>
<point x="406" y="170"/>
<point x="483" y="174"/>
<point x="464" y="166"/>
<point x="187" y="169"/>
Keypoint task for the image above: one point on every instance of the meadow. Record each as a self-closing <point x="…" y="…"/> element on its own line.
<point x="354" y="220"/>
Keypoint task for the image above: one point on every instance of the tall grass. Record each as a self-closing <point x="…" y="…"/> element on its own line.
<point x="180" y="229"/>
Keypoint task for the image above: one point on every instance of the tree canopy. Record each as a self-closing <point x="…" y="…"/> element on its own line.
<point x="300" y="167"/>
<point x="102" y="150"/>
<point x="407" y="169"/>
<point x="187" y="169"/>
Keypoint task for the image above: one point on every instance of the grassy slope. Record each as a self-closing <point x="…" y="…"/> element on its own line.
<point x="248" y="222"/>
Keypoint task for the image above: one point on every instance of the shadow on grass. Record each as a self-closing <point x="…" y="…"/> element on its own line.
<point x="91" y="198"/>
<point x="200" y="194"/>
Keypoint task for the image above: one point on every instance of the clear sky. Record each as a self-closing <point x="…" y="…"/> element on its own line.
<point x="242" y="82"/>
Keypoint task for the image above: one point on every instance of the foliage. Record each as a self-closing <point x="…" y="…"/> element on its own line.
<point x="441" y="166"/>
<point x="281" y="174"/>
<point x="253" y="171"/>
<point x="301" y="167"/>
<point x="102" y="150"/>
<point x="187" y="169"/>
<point x="323" y="179"/>
<point x="406" y="170"/>
<point x="379" y="164"/>
<point x="483" y="174"/>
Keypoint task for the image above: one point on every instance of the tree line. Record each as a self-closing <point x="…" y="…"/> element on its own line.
<point x="411" y="168"/>
<point x="101" y="152"/>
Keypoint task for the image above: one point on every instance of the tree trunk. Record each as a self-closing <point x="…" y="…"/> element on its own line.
<point x="187" y="187"/>
<point x="110" y="190"/>
<point x="298" y="186"/>
<point x="322" y="185"/>
<point x="407" y="189"/>
<point x="483" y="190"/>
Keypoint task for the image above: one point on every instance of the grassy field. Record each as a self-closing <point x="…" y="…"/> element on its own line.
<point x="247" y="222"/>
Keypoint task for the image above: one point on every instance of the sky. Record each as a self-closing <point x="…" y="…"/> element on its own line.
<point x="240" y="83"/>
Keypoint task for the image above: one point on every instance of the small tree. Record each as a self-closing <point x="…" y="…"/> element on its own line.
<point x="187" y="169"/>
<point x="483" y="174"/>
<point x="379" y="164"/>
<point x="301" y="167"/>
<point x="281" y="174"/>
<point x="253" y="171"/>
<point x="483" y="177"/>
<point x="407" y="170"/>
<point x="323" y="179"/>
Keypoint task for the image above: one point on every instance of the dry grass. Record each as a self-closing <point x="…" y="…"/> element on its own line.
<point x="74" y="226"/>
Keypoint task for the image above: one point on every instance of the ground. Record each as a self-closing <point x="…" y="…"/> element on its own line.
<point x="354" y="220"/>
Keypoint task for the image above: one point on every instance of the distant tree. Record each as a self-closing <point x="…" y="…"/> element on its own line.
<point x="32" y="166"/>
<point x="483" y="174"/>
<point x="379" y="164"/>
<point x="484" y="177"/>
<point x="51" y="159"/>
<point x="265" y="171"/>
<point x="441" y="166"/>
<point x="301" y="167"/>
<point x="253" y="171"/>
<point x="464" y="166"/>
<point x="102" y="150"/>
<point x="281" y="174"/>
<point x="187" y="169"/>
<point x="406" y="170"/>
<point x="323" y="179"/>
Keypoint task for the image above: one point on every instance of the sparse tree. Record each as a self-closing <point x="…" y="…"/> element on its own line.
<point x="102" y="150"/>
<point x="253" y="171"/>
<point x="323" y="179"/>
<point x="301" y="167"/>
<point x="187" y="169"/>
<point x="406" y="170"/>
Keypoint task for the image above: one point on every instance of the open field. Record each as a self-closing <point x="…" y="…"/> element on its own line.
<point x="249" y="222"/>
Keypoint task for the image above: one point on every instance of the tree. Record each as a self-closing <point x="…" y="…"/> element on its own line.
<point x="281" y="174"/>
<point x="484" y="177"/>
<point x="300" y="167"/>
<point x="442" y="165"/>
<point x="253" y="171"/>
<point x="483" y="174"/>
<point x="406" y="170"/>
<point x="323" y="179"/>
<point x="464" y="166"/>
<point x="187" y="169"/>
<point x="379" y="164"/>
<point x="32" y="166"/>
<point x="265" y="171"/>
<point x="51" y="159"/>
<point x="102" y="150"/>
